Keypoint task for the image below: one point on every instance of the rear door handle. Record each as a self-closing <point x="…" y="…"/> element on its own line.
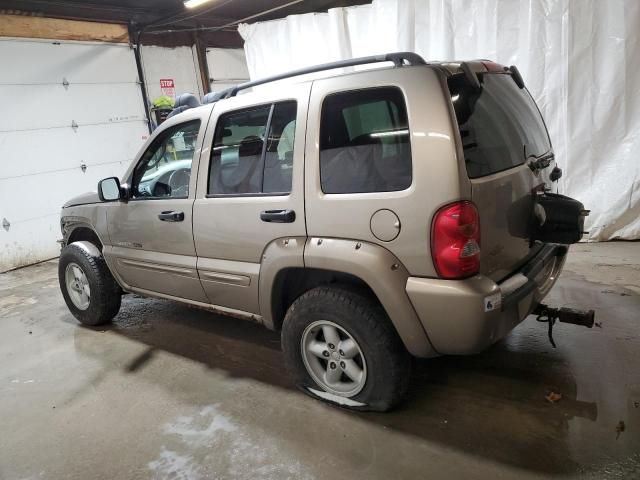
<point x="278" y="216"/>
<point x="171" y="216"/>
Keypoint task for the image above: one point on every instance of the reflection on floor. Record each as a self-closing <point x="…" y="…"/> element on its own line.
<point x="173" y="392"/>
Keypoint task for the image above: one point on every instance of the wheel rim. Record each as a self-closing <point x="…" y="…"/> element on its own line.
<point x="77" y="286"/>
<point x="333" y="358"/>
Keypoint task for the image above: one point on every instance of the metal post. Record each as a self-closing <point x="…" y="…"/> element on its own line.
<point x="136" y="45"/>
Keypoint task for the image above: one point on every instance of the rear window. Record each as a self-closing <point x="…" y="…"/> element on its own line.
<point x="500" y="126"/>
<point x="364" y="142"/>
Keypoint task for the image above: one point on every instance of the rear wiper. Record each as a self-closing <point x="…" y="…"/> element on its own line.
<point x="543" y="161"/>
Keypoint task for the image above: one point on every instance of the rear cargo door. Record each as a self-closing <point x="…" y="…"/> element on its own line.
<point x="502" y="135"/>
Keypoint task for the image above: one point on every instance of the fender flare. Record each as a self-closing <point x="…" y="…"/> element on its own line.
<point x="384" y="274"/>
<point x="374" y="265"/>
<point x="88" y="247"/>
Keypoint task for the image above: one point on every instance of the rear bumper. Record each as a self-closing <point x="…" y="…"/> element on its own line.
<point x="466" y="316"/>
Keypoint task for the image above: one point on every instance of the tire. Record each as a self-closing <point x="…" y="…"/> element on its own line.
<point x="102" y="302"/>
<point x="384" y="362"/>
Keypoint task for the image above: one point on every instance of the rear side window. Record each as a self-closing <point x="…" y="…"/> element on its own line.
<point x="364" y="142"/>
<point x="253" y="151"/>
<point x="500" y="126"/>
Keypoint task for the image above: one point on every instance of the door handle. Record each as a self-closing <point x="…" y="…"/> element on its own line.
<point x="278" y="216"/>
<point x="171" y="216"/>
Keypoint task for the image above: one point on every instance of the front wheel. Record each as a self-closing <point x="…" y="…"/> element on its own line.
<point x="341" y="347"/>
<point x="88" y="288"/>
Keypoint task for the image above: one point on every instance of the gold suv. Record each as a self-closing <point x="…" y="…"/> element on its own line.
<point x="370" y="216"/>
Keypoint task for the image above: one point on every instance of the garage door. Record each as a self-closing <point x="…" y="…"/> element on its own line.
<point x="73" y="114"/>
<point x="227" y="67"/>
<point x="177" y="64"/>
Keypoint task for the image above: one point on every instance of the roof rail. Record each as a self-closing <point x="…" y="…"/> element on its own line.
<point x="398" y="60"/>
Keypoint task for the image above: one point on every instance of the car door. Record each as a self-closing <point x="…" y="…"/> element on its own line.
<point x="151" y="234"/>
<point x="250" y="193"/>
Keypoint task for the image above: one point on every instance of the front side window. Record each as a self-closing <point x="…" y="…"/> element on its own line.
<point x="364" y="142"/>
<point x="253" y="151"/>
<point x="164" y="171"/>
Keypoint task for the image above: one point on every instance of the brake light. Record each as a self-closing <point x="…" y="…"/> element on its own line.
<point x="494" y="67"/>
<point x="455" y="240"/>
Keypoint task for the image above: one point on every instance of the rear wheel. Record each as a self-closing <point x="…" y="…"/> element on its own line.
<point x="341" y="347"/>
<point x="88" y="288"/>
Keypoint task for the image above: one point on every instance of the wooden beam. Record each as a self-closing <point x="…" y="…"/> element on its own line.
<point x="203" y="66"/>
<point x="57" y="29"/>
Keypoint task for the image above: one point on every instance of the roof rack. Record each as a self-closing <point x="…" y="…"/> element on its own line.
<point x="398" y="59"/>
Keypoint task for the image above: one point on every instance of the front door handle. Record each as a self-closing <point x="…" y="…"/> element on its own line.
<point x="171" y="216"/>
<point x="278" y="216"/>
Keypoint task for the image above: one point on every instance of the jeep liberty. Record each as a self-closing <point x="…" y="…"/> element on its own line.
<point x="370" y="216"/>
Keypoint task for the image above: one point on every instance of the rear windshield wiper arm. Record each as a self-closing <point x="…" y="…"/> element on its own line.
<point x="543" y="161"/>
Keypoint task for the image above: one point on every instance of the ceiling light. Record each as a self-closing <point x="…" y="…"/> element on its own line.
<point x="194" y="3"/>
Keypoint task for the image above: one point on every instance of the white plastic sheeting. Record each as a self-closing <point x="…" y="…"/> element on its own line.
<point x="579" y="58"/>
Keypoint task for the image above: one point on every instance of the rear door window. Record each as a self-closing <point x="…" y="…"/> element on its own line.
<point x="500" y="126"/>
<point x="253" y="151"/>
<point x="278" y="160"/>
<point x="236" y="159"/>
<point x="364" y="142"/>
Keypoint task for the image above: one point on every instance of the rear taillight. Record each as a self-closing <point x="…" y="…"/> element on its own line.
<point x="455" y="240"/>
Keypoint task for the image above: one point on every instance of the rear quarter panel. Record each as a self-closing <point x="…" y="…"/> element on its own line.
<point x="436" y="177"/>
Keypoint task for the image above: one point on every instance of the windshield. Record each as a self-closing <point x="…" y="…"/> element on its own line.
<point x="500" y="125"/>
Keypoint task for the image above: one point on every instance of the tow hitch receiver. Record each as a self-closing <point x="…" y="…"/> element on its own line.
<point x="549" y="315"/>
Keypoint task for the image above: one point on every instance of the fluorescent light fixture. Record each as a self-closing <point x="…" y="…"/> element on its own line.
<point x="194" y="3"/>
<point x="391" y="133"/>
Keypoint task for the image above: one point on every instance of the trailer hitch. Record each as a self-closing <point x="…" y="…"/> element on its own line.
<point x="550" y="315"/>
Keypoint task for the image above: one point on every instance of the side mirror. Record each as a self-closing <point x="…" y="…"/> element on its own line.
<point x="109" y="189"/>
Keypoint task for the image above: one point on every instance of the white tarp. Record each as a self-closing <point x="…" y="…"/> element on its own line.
<point x="579" y="58"/>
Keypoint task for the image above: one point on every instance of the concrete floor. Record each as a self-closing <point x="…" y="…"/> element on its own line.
<point x="172" y="392"/>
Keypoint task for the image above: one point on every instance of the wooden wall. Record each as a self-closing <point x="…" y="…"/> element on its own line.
<point x="57" y="29"/>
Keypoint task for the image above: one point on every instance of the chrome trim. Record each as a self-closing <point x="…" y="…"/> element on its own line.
<point x="156" y="267"/>
<point x="228" y="278"/>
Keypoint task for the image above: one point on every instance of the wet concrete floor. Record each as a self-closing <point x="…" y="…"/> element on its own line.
<point x="171" y="392"/>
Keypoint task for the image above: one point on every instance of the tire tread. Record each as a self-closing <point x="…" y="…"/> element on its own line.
<point x="105" y="293"/>
<point x="372" y="315"/>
